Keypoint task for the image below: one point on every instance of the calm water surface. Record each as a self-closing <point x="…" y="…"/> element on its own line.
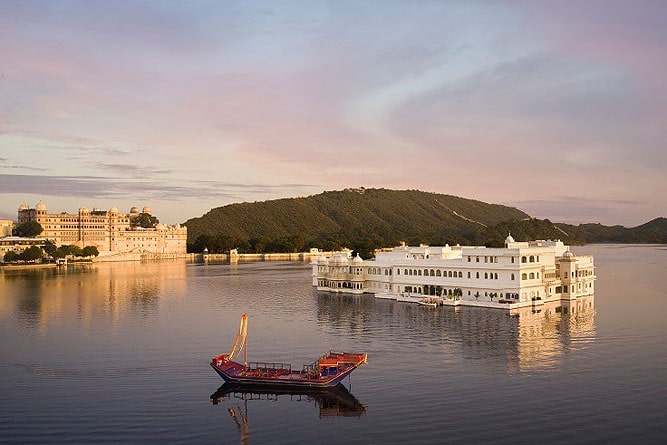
<point x="119" y="353"/>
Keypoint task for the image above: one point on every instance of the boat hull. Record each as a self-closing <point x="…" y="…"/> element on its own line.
<point x="331" y="371"/>
<point x="284" y="383"/>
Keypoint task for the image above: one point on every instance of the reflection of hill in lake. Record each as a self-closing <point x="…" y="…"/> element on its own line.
<point x="526" y="338"/>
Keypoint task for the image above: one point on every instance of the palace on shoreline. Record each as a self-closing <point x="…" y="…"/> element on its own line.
<point x="109" y="230"/>
<point x="519" y="274"/>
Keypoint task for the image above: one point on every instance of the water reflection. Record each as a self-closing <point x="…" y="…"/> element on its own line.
<point x="528" y="338"/>
<point x="336" y="401"/>
<point x="331" y="402"/>
<point x="89" y="293"/>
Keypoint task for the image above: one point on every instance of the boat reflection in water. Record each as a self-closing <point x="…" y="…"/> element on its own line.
<point x="334" y="401"/>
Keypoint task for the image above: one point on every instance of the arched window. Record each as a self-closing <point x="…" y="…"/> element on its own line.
<point x="460" y="274"/>
<point x="532" y="259"/>
<point x="532" y="275"/>
<point x="495" y="276"/>
<point x="512" y="276"/>
<point x="477" y="274"/>
<point x="437" y="273"/>
<point x="432" y="272"/>
<point x="524" y="276"/>
<point x="468" y="274"/>
<point x="523" y="259"/>
<point x="486" y="275"/>
<point x="449" y="274"/>
<point x="419" y="272"/>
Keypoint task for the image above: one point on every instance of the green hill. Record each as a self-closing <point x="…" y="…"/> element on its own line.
<point x="654" y="232"/>
<point x="365" y="219"/>
<point x="344" y="218"/>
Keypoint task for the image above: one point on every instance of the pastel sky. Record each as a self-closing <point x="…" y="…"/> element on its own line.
<point x="558" y="108"/>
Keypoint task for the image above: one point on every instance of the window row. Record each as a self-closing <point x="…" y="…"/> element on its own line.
<point x="530" y="276"/>
<point x="431" y="273"/>
<point x="339" y="284"/>
<point x="487" y="259"/>
<point x="530" y="259"/>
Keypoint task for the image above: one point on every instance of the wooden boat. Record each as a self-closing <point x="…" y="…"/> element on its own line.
<point x="385" y="296"/>
<point x="328" y="370"/>
<point x="407" y="297"/>
<point x="432" y="301"/>
<point x="427" y="303"/>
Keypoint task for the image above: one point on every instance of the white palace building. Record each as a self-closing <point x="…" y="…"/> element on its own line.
<point x="519" y="274"/>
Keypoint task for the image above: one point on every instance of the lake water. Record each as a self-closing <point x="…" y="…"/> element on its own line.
<point x="119" y="353"/>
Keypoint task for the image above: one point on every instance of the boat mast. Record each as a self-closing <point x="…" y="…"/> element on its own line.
<point x="240" y="341"/>
<point x="245" y="343"/>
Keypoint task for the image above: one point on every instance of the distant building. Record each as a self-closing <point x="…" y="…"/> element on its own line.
<point x="108" y="230"/>
<point x="18" y="244"/>
<point x="6" y="227"/>
<point x="521" y="273"/>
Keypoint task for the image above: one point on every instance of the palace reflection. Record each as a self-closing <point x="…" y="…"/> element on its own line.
<point x="88" y="293"/>
<point x="528" y="338"/>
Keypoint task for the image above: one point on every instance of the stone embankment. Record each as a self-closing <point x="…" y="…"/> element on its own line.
<point x="243" y="257"/>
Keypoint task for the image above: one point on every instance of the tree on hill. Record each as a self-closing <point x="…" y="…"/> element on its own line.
<point x="29" y="229"/>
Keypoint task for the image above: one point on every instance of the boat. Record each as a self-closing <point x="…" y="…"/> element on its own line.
<point x="407" y="297"/>
<point x="329" y="370"/>
<point x="426" y="302"/>
<point x="385" y="296"/>
<point x="432" y="301"/>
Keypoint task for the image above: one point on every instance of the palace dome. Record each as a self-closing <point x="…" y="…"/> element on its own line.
<point x="24" y="207"/>
<point x="338" y="259"/>
<point x="134" y="210"/>
<point x="357" y="259"/>
<point x="83" y="209"/>
<point x="113" y="209"/>
<point x="146" y="209"/>
<point x="40" y="206"/>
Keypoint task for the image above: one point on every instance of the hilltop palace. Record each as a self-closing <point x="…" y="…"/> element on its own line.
<point x="108" y="230"/>
<point x="520" y="274"/>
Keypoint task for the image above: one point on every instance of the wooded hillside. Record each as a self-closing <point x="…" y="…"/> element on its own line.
<point x="365" y="219"/>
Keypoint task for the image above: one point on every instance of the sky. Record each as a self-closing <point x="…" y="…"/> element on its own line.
<point x="558" y="108"/>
